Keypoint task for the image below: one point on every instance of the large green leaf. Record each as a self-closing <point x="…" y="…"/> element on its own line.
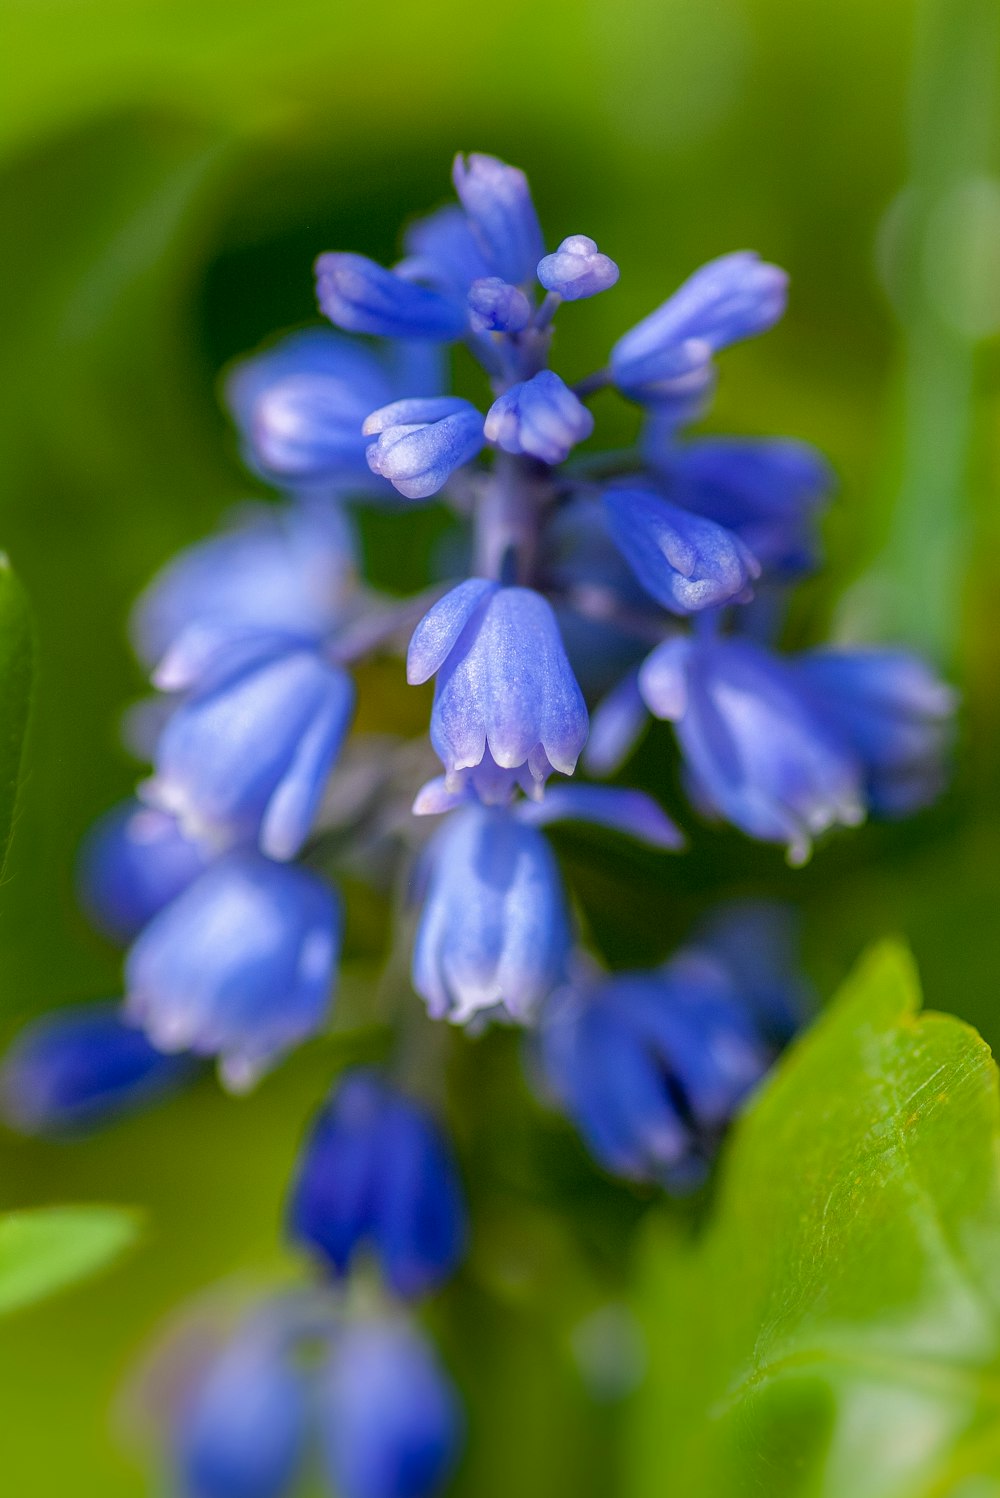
<point x="836" y="1331"/>
<point x="45" y="1250"/>
<point x="15" y="692"/>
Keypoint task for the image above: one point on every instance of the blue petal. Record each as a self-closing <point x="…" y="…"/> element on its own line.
<point x="540" y="418"/>
<point x="628" y="811"/>
<point x="497" y="200"/>
<point x="616" y="725"/>
<point x="443" y="251"/>
<point x="437" y="633"/>
<point x="420" y="443"/>
<point x="685" y="562"/>
<point x="134" y="861"/>
<point x="362" y="297"/>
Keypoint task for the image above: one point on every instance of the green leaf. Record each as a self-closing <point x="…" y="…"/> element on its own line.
<point x="47" y="1249"/>
<point x="15" y="693"/>
<point x="836" y="1331"/>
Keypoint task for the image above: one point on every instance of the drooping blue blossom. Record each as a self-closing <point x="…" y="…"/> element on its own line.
<point x="420" y="443"/>
<point x="684" y="561"/>
<point x="390" y="1422"/>
<point x="134" y="861"/>
<point x="378" y="1174"/>
<point x="240" y="966"/>
<point x="577" y="269"/>
<point x="539" y="418"/>
<point x="504" y="686"/>
<point x="497" y="307"/>
<point x="77" y="1069"/>
<point x="246" y="756"/>
<point x="670" y="351"/>
<point x="494" y="929"/>
<point x="497" y="199"/>
<point x="362" y="297"/>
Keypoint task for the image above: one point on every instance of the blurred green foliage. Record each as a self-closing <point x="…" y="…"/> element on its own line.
<point x="168" y="171"/>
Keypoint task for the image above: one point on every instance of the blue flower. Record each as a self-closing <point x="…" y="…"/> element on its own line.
<point x="240" y="966"/>
<point x="497" y="307"/>
<point x="390" y="1423"/>
<point x="420" y="443"/>
<point x="651" y="1066"/>
<point x="77" y="1069"/>
<point x="756" y="749"/>
<point x="539" y="418"/>
<point x="896" y="714"/>
<point x="135" y="860"/>
<point x="494" y="929"/>
<point x="497" y="200"/>
<point x="247" y="755"/>
<point x="684" y="561"/>
<point x="242" y="1430"/>
<point x="362" y="297"/>
<point x="506" y="695"/>
<point x="442" y="250"/>
<point x="755" y="942"/>
<point x="577" y="269"/>
<point x="377" y="1173"/>
<point x="670" y="351"/>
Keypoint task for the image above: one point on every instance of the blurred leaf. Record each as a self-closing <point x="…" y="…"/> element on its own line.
<point x="45" y="1250"/>
<point x="15" y="693"/>
<point x="837" y="1330"/>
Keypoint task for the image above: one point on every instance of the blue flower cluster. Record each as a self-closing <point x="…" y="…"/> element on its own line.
<point x="598" y="591"/>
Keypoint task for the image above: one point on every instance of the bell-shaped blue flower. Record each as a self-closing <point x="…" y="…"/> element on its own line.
<point x="756" y="749"/>
<point x="651" y="1066"/>
<point x="77" y="1069"/>
<point x="539" y="418"/>
<point x="378" y="1174"/>
<point x="247" y="755"/>
<point x="362" y="297"/>
<point x="420" y="443"/>
<point x="685" y="562"/>
<point x="497" y="307"/>
<point x="494" y="930"/>
<point x="497" y="199"/>
<point x="390" y="1422"/>
<point x="134" y="861"/>
<point x="725" y="301"/>
<point x="577" y="269"/>
<point x="897" y="715"/>
<point x="240" y="966"/>
<point x="506" y="695"/>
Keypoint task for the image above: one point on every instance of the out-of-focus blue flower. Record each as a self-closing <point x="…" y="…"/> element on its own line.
<point x="505" y="688"/>
<point x="247" y="755"/>
<point x="540" y="418"/>
<point x="240" y="966"/>
<point x="630" y="812"/>
<point x="420" y="443"/>
<point x="497" y="200"/>
<point x="616" y="725"/>
<point x="377" y="1173"/>
<point x="651" y="1066"/>
<point x="362" y="297"/>
<point x="442" y="250"/>
<point x="685" y="562"/>
<point x="897" y="715"/>
<point x="756" y="943"/>
<point x="756" y="749"/>
<point x="734" y="297"/>
<point x="497" y="307"/>
<point x="77" y="1069"/>
<point x="285" y="569"/>
<point x="577" y="269"/>
<point x="242" y="1431"/>
<point x="134" y="861"/>
<point x="390" y="1422"/>
<point x="494" y="929"/>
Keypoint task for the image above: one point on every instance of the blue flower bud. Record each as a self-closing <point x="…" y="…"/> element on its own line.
<point x="497" y="199"/>
<point x="134" y="861"/>
<point x="504" y="687"/>
<point x="239" y="966"/>
<point x="540" y="418"/>
<point x="443" y="251"/>
<point x="497" y="307"/>
<point x="725" y="301"/>
<point x="577" y="269"/>
<point x="77" y="1069"/>
<point x="494" y="929"/>
<point x="651" y="1066"/>
<point x="390" y="1424"/>
<point x="362" y="297"/>
<point x="420" y="443"/>
<point x="756" y="749"/>
<point x="377" y="1173"/>
<point x="247" y="756"/>
<point x="684" y="561"/>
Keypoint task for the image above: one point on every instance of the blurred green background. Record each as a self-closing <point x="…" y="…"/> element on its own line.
<point x="168" y="171"/>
